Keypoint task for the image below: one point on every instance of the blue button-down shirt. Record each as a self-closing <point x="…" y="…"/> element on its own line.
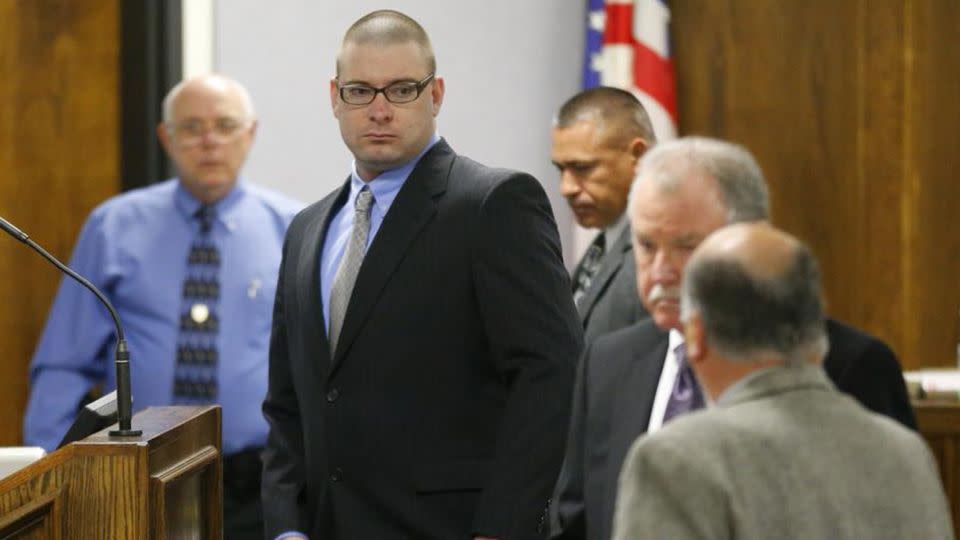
<point x="384" y="188"/>
<point x="134" y="248"/>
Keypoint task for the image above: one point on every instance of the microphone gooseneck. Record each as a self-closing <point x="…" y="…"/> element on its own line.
<point x="121" y="354"/>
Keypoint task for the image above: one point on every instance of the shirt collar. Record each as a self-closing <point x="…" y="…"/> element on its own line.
<point x="225" y="209"/>
<point x="613" y="232"/>
<point x="387" y="184"/>
<point x="676" y="338"/>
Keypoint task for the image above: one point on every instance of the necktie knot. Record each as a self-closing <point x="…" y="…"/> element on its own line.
<point x="205" y="215"/>
<point x="364" y="201"/>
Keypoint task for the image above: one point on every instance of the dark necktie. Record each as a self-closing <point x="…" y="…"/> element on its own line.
<point x="346" y="275"/>
<point x="195" y="374"/>
<point x="588" y="268"/>
<point x="686" y="395"/>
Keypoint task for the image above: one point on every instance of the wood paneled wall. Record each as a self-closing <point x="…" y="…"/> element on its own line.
<point x="59" y="133"/>
<point x="853" y="110"/>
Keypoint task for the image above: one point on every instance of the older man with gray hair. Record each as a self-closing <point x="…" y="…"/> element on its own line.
<point x="633" y="381"/>
<point x="191" y="265"/>
<point x="782" y="454"/>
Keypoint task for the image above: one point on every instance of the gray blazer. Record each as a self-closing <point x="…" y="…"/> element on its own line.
<point x="612" y="302"/>
<point x="783" y="455"/>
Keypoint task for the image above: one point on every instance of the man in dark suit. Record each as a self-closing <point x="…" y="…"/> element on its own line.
<point x="630" y="381"/>
<point x="598" y="136"/>
<point x="424" y="338"/>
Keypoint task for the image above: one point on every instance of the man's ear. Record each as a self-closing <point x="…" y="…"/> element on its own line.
<point x="164" y="137"/>
<point x="334" y="95"/>
<point x="638" y="147"/>
<point x="437" y="91"/>
<point x="695" y="338"/>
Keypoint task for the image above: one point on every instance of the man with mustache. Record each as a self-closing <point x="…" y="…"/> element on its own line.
<point x="634" y="380"/>
<point x="778" y="453"/>
<point x="598" y="136"/>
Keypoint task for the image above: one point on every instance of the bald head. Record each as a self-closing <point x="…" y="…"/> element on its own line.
<point x="764" y="251"/>
<point x="211" y="82"/>
<point x="756" y="290"/>
<point x="386" y="27"/>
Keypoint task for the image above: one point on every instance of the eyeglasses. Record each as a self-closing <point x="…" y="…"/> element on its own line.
<point x="191" y="132"/>
<point x="398" y="92"/>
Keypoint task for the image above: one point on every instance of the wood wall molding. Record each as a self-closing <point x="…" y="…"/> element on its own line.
<point x="851" y="109"/>
<point x="59" y="157"/>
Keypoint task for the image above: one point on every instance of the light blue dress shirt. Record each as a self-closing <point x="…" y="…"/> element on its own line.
<point x="134" y="248"/>
<point x="385" y="188"/>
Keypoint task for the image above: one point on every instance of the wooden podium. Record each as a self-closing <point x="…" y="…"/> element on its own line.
<point x="164" y="484"/>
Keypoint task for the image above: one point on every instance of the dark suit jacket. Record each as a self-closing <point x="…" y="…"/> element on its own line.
<point x="442" y="413"/>
<point x="611" y="302"/>
<point x="613" y="398"/>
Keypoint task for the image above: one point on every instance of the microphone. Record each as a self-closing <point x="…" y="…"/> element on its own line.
<point x="121" y="355"/>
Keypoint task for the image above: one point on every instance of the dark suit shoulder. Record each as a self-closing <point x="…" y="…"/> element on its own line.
<point x="479" y="180"/>
<point x="867" y="369"/>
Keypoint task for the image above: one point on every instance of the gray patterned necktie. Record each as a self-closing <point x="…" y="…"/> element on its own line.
<point x="686" y="395"/>
<point x="349" y="267"/>
<point x="588" y="268"/>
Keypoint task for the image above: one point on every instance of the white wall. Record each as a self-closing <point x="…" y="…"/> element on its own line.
<point x="508" y="65"/>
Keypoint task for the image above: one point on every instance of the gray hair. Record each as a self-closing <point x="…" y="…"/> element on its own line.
<point x="246" y="103"/>
<point x="741" y="182"/>
<point x="745" y="315"/>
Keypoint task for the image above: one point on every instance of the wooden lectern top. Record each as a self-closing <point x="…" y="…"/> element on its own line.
<point x="165" y="483"/>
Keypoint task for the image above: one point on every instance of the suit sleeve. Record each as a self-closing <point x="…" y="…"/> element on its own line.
<point x="664" y="494"/>
<point x="567" y="506"/>
<point x="535" y="337"/>
<point x="283" y="487"/>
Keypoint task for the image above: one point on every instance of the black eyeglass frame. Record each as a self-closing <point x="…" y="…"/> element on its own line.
<point x="418" y="85"/>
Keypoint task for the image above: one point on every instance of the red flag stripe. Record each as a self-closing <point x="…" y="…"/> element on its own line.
<point x="618" y="29"/>
<point x="654" y="75"/>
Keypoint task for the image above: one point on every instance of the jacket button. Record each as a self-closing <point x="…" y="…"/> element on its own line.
<point x="332" y="395"/>
<point x="336" y="475"/>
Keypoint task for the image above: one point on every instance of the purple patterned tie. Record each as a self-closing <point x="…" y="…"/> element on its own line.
<point x="686" y="395"/>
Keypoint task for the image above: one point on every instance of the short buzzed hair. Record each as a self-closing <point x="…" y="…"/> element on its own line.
<point x="388" y="27"/>
<point x="608" y="106"/>
<point x="733" y="167"/>
<point x="745" y="314"/>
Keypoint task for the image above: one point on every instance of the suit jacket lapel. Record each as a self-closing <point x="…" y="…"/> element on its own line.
<point x="645" y="367"/>
<point x="609" y="267"/>
<point x="413" y="208"/>
<point x="308" y="278"/>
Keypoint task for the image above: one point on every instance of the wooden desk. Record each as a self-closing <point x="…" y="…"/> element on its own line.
<point x="939" y="423"/>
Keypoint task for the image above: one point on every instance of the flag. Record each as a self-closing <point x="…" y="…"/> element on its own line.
<point x="628" y="46"/>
